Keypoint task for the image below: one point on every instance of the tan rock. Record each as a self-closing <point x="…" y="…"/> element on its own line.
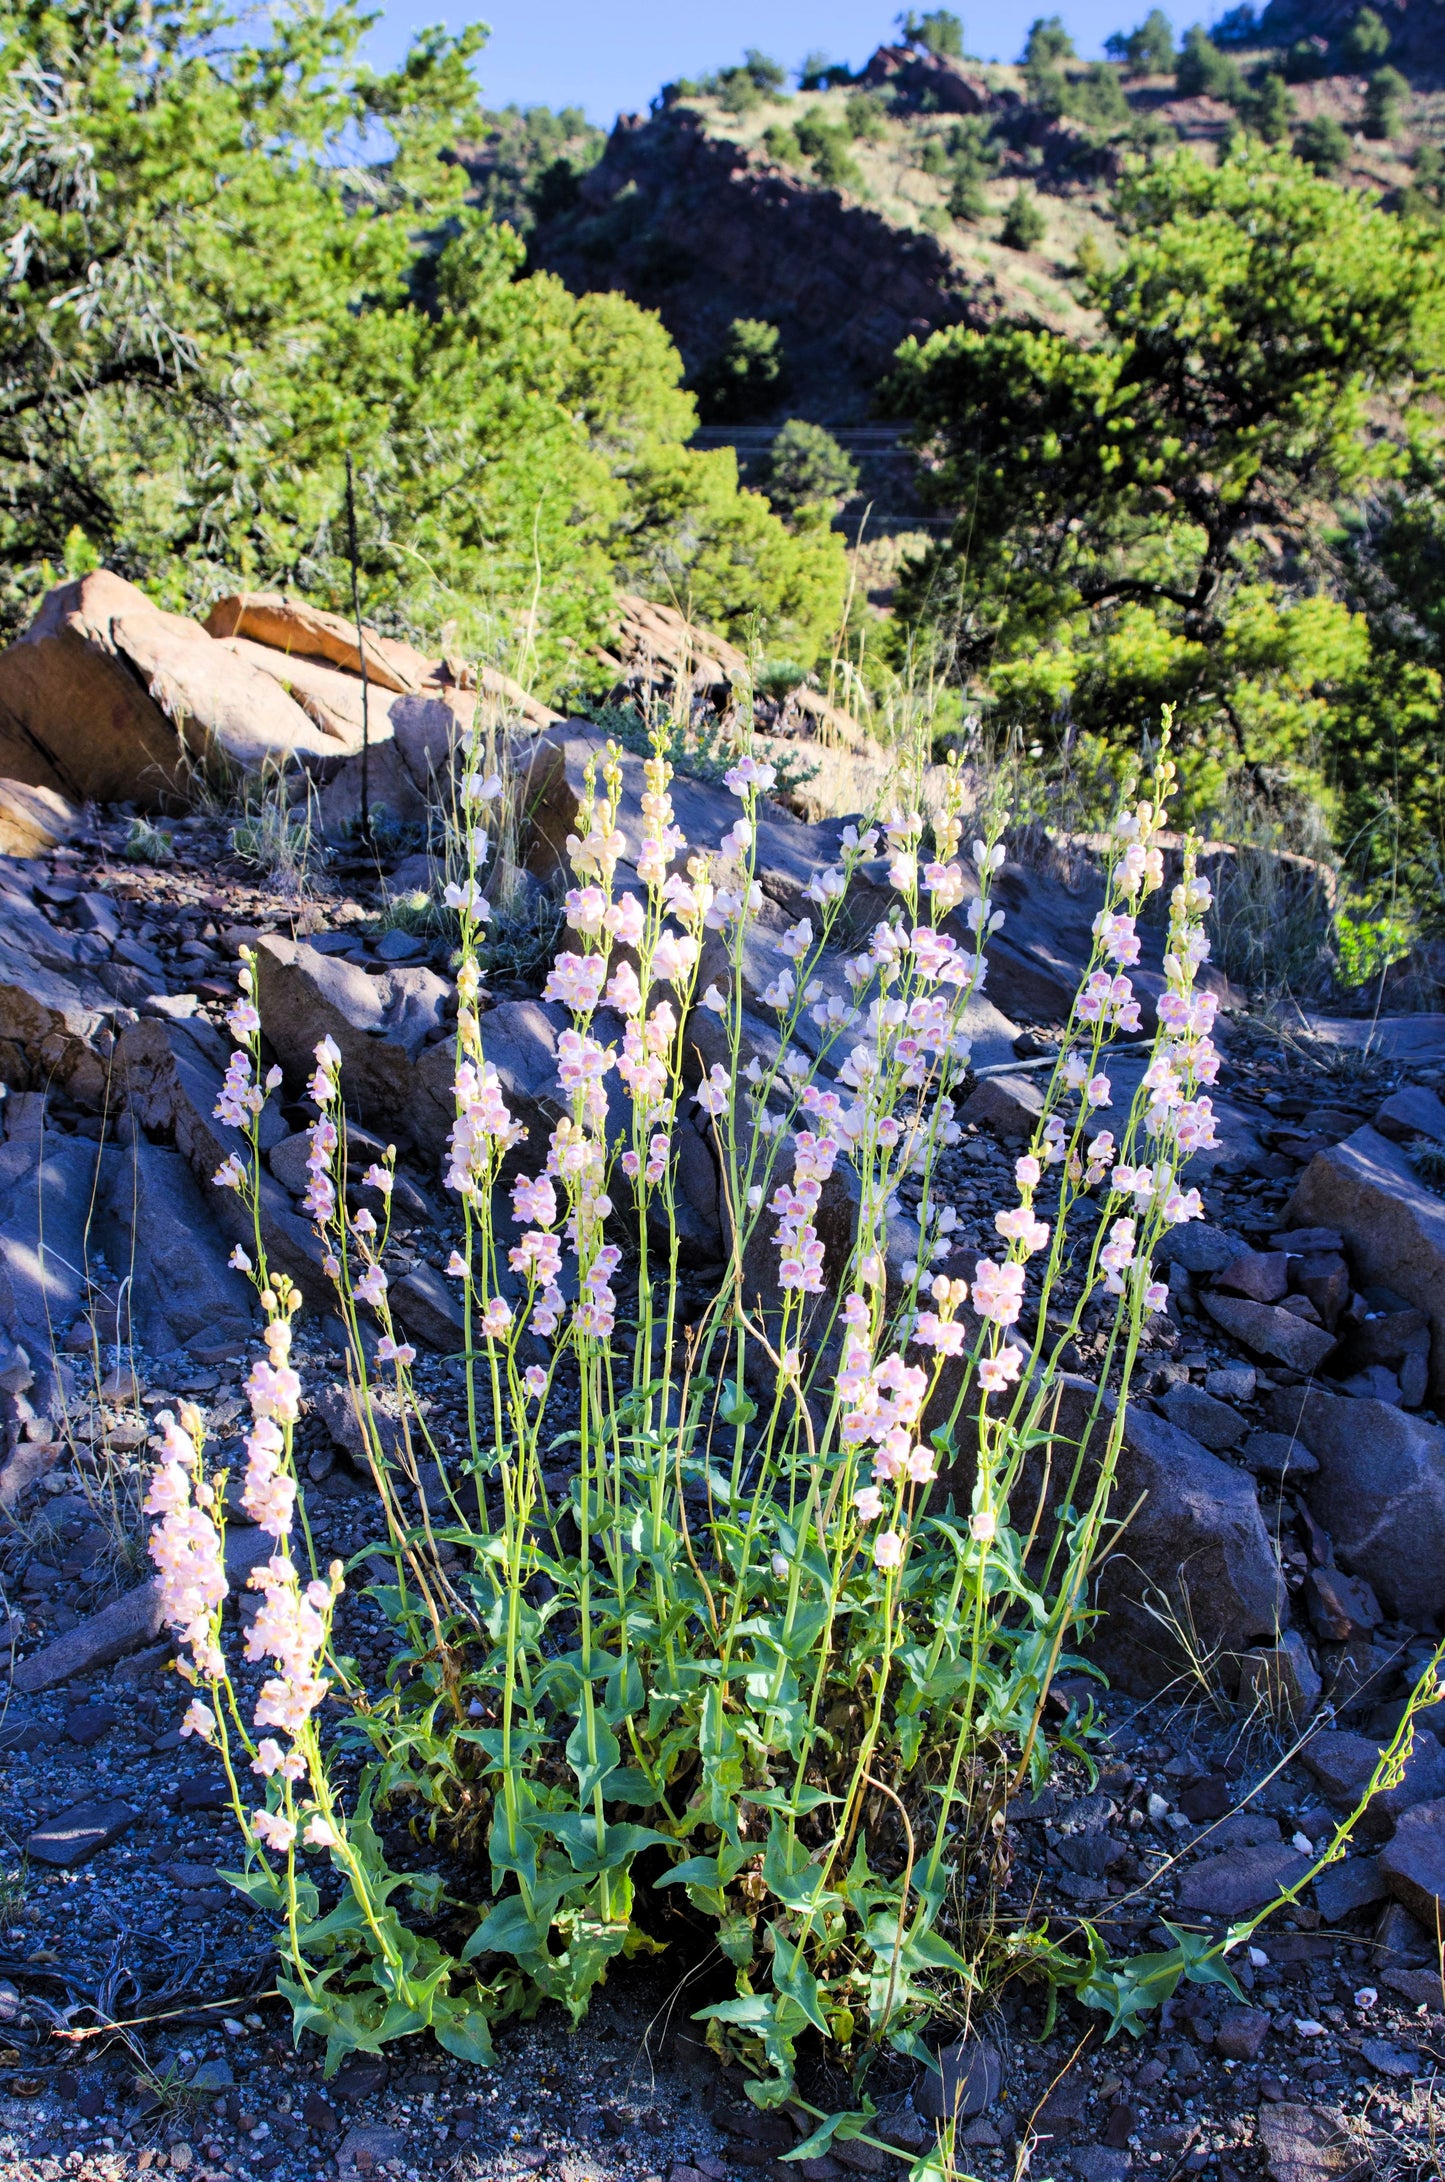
<point x="330" y="698"/>
<point x="108" y="696"/>
<point x="32" y="819"/>
<point x="309" y="632"/>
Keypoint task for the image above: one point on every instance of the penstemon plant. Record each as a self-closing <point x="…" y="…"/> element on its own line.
<point x="781" y="1637"/>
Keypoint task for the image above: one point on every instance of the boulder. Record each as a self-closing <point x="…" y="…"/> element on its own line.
<point x="1009" y="1106"/>
<point x="107" y="696"/>
<point x="159" y="1232"/>
<point x="55" y="1015"/>
<point x="1276" y="1455"/>
<point x="1240" y="1881"/>
<point x="380" y="1024"/>
<point x="1343" y="1765"/>
<point x="1410" y="1112"/>
<point x="171" y="1088"/>
<point x="1413" y="1863"/>
<point x="1271" y="1331"/>
<point x="1379" y="1492"/>
<point x="33" y="820"/>
<point x="1394" y="1228"/>
<point x="329" y="698"/>
<point x="297" y="630"/>
<point x="1195" y="1560"/>
<point x="290" y="627"/>
<point x="44" y="1249"/>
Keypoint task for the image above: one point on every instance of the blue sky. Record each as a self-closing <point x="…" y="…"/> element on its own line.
<point x="611" y="59"/>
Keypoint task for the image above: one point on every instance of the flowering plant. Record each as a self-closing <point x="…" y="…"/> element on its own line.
<point x="779" y="1642"/>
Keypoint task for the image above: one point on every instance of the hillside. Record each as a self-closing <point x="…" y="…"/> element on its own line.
<point x="852" y="215"/>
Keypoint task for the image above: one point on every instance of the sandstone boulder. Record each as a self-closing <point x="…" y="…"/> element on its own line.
<point x="107" y="696"/>
<point x="381" y="1025"/>
<point x="1379" y="1492"/>
<point x="1394" y="1228"/>
<point x="32" y="819"/>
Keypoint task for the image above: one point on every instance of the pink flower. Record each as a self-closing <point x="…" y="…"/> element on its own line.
<point x="750" y="774"/>
<point x="888" y="1550"/>
<point x="320" y="1834"/>
<point x="1156" y="1295"/>
<point x="1098" y="1091"/>
<point x="869" y="1503"/>
<point x="389" y="1351"/>
<point x="997" y="1372"/>
<point x="998" y="1291"/>
<point x="199" y="1720"/>
<point x="456" y="1266"/>
<point x="576" y="980"/>
<point x="1027" y="1172"/>
<point x="275" y="1829"/>
<point x="496" y="1319"/>
<point x="714" y="1093"/>
<point x="534" y="1379"/>
<point x="983" y="1526"/>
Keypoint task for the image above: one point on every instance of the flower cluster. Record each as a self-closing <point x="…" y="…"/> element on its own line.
<point x="186" y="1544"/>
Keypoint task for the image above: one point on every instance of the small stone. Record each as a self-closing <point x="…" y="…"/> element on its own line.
<point x="1261" y="1275"/>
<point x="1206" y="1799"/>
<point x="76" y="1834"/>
<point x="369" y="2147"/>
<point x="361" y="2076"/>
<point x="212" y="2076"/>
<point x="1306" y="2144"/>
<point x="1100" y="2163"/>
<point x="319" y="2114"/>
<point x="1241" y="2033"/>
<point x="1241" y="1880"/>
<point x="972" y="2073"/>
<point x="1284" y="1676"/>
<point x="1198" y="1247"/>
<point x="398" y="946"/>
<point x="1213" y="1423"/>
<point x="1340" y="1606"/>
<point x="87" y="1723"/>
<point x="1270" y="1331"/>
<point x="1388" y="2058"/>
<point x="1308" y="1242"/>
<point x="1122" y="2123"/>
<point x="1401" y="1943"/>
<point x="1232" y="1382"/>
<point x="1410" y="1112"/>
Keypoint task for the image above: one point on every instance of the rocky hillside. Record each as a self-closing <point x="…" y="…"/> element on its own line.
<point x="852" y="215"/>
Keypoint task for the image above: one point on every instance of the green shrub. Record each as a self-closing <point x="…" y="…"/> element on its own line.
<point x="940" y="32"/>
<point x="1384" y="98"/>
<point x="1047" y="43"/>
<point x="1147" y="51"/>
<point x="1366" y="42"/>
<point x="865" y="116"/>
<point x="747" y="374"/>
<point x="808" y="469"/>
<point x="1322" y="144"/>
<point x="1024" y="223"/>
<point x="1306" y="61"/>
<point x="1097" y="98"/>
<point x="1204" y="71"/>
<point x="1269" y="110"/>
